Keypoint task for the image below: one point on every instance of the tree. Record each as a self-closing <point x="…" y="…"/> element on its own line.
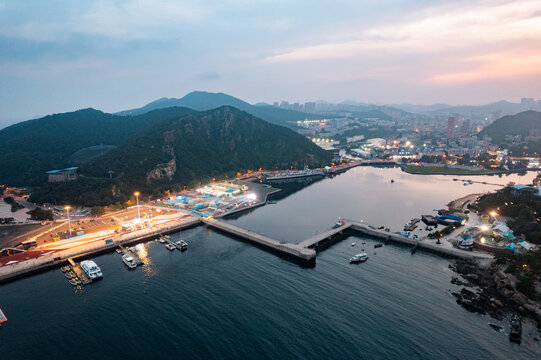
<point x="41" y="214"/>
<point x="97" y="210"/>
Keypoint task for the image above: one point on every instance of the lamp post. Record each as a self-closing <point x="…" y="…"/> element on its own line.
<point x="69" y="222"/>
<point x="138" y="213"/>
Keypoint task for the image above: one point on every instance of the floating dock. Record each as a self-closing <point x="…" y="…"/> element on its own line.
<point x="132" y="254"/>
<point x="81" y="275"/>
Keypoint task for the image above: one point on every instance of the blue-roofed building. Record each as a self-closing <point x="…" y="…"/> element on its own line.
<point x="67" y="174"/>
<point x="521" y="189"/>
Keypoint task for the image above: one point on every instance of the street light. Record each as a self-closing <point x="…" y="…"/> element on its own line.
<point x="69" y="222"/>
<point x="138" y="213"/>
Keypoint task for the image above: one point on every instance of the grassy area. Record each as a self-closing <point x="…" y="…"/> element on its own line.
<point x="440" y="170"/>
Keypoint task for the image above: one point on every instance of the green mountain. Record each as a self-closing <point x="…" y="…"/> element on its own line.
<point x="206" y="144"/>
<point x="183" y="150"/>
<point x="31" y="148"/>
<point x="526" y="125"/>
<point x="201" y="101"/>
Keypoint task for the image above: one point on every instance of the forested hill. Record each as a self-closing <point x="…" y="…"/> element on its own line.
<point x="519" y="124"/>
<point x="519" y="133"/>
<point x="202" y="145"/>
<point x="31" y="148"/>
<point x="202" y="101"/>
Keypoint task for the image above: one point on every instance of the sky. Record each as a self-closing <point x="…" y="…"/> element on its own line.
<point x="63" y="55"/>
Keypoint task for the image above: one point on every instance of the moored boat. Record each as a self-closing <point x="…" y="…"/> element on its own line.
<point x="183" y="245"/>
<point x="515" y="333"/>
<point x="91" y="269"/>
<point x="361" y="257"/>
<point x="75" y="282"/>
<point x="129" y="261"/>
<point x="170" y="247"/>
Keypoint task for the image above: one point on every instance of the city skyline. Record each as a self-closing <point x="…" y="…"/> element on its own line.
<point x="59" y="57"/>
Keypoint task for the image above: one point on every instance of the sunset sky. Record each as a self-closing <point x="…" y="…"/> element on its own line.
<point x="58" y="56"/>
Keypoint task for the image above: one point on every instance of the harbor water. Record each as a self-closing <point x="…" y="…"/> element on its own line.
<point x="226" y="299"/>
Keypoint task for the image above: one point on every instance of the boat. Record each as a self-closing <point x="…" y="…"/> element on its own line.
<point x="75" y="282"/>
<point x="392" y="181"/>
<point x="70" y="275"/>
<point x="129" y="261"/>
<point x="353" y="244"/>
<point x="118" y="251"/>
<point x="170" y="247"/>
<point x="294" y="175"/>
<point x="465" y="241"/>
<point x="361" y="257"/>
<point x="161" y="240"/>
<point x="378" y="246"/>
<point x="65" y="269"/>
<point x="387" y="229"/>
<point x="380" y="227"/>
<point x="91" y="269"/>
<point x="3" y="317"/>
<point x="515" y="333"/>
<point x="183" y="244"/>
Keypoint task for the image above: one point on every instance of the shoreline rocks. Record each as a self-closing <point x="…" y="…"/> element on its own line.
<point x="494" y="294"/>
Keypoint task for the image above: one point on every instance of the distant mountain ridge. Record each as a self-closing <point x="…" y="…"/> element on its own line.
<point x="521" y="124"/>
<point x="202" y="101"/>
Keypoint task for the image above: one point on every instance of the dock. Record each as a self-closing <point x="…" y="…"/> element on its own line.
<point x="295" y="251"/>
<point x="305" y="251"/>
<point x="76" y="268"/>
<point x="132" y="254"/>
<point x="169" y="241"/>
<point x="325" y="238"/>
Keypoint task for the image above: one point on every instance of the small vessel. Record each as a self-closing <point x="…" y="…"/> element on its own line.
<point x="387" y="229"/>
<point x="167" y="237"/>
<point x="118" y="251"/>
<point x="91" y="269"/>
<point x="3" y="317"/>
<point x="170" y="247"/>
<point x="75" y="282"/>
<point x="129" y="261"/>
<point x="392" y="181"/>
<point x="515" y="333"/>
<point x="161" y="240"/>
<point x="65" y="268"/>
<point x="183" y="244"/>
<point x="380" y="227"/>
<point x="70" y="275"/>
<point x="361" y="257"/>
<point x="378" y="246"/>
<point x="353" y="243"/>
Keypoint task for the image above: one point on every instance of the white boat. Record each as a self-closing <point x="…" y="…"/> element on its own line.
<point x="91" y="269"/>
<point x="361" y="257"/>
<point x="183" y="244"/>
<point x="353" y="244"/>
<point x="161" y="240"/>
<point x="129" y="261"/>
<point x="170" y="247"/>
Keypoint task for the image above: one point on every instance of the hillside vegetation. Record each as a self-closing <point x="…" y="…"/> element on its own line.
<point x="184" y="150"/>
<point x="31" y="148"/>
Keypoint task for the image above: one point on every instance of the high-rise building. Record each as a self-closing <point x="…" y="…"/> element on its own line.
<point x="451" y="125"/>
<point x="310" y="107"/>
<point x="465" y="128"/>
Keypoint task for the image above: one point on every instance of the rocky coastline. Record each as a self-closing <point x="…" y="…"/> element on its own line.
<point x="487" y="289"/>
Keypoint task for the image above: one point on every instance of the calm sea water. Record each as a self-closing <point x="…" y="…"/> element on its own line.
<point x="226" y="299"/>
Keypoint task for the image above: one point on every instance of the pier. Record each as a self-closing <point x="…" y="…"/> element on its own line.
<point x="81" y="275"/>
<point x="295" y="251"/>
<point x="305" y="251"/>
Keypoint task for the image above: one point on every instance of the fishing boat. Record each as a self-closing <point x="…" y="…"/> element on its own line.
<point x="161" y="240"/>
<point x="170" y="247"/>
<point x="70" y="275"/>
<point x="515" y="332"/>
<point x="361" y="257"/>
<point x="75" y="282"/>
<point x="129" y="261"/>
<point x="65" y="269"/>
<point x="118" y="251"/>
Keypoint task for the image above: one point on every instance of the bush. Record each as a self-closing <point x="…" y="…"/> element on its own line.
<point x="97" y="210"/>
